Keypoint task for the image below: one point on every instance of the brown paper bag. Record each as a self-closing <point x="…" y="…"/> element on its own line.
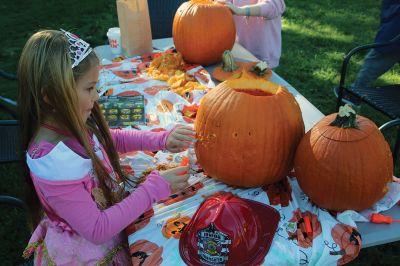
<point x="134" y="22"/>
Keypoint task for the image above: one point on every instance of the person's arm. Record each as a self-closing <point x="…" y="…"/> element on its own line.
<point x="74" y="204"/>
<point x="136" y="140"/>
<point x="175" y="140"/>
<point x="268" y="9"/>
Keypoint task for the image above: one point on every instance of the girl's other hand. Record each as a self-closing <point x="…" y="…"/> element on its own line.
<point x="177" y="178"/>
<point x="180" y="139"/>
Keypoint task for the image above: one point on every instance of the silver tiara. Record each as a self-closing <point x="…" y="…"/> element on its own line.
<point x="78" y="48"/>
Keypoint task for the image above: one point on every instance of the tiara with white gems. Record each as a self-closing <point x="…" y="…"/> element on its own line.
<point x="78" y="48"/>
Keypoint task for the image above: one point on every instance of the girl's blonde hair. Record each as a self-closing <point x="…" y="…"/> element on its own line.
<point x="45" y="71"/>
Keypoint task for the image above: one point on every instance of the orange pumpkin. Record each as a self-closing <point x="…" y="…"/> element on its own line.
<point x="202" y="30"/>
<point x="346" y="165"/>
<point x="247" y="132"/>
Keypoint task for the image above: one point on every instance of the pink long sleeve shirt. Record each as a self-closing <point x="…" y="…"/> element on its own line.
<point x="65" y="183"/>
<point x="261" y="35"/>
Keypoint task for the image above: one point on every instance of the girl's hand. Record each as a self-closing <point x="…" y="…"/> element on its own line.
<point x="180" y="139"/>
<point x="177" y="178"/>
<point x="235" y="10"/>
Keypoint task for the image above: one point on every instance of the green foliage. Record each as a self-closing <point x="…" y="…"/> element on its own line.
<point x="315" y="34"/>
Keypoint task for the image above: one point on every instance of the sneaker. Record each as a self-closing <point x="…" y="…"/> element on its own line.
<point x="347" y="97"/>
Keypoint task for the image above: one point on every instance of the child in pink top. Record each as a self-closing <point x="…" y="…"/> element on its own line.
<point x="258" y="27"/>
<point x="79" y="202"/>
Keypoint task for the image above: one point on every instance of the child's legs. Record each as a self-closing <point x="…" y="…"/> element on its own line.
<point x="375" y="64"/>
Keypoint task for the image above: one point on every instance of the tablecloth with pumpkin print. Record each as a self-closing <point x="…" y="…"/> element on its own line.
<point x="154" y="237"/>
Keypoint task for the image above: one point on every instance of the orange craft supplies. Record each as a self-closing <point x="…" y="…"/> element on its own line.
<point x="307" y="223"/>
<point x="382" y="219"/>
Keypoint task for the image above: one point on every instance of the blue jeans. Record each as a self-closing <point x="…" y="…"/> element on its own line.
<point x="375" y="64"/>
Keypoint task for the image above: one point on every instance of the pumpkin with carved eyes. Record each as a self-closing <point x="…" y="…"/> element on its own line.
<point x="174" y="226"/>
<point x="247" y="132"/>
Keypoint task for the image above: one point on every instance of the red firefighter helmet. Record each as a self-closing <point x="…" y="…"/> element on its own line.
<point x="228" y="230"/>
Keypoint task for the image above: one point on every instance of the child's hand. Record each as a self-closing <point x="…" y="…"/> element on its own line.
<point x="180" y="139"/>
<point x="177" y="178"/>
<point x="235" y="10"/>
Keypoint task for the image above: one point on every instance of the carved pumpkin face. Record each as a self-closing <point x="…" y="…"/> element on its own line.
<point x="304" y="238"/>
<point x="248" y="130"/>
<point x="174" y="226"/>
<point x="352" y="166"/>
<point x="202" y="30"/>
<point x="349" y="240"/>
<point x="146" y="253"/>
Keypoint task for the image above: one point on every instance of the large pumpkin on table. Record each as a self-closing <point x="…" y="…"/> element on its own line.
<point x="202" y="30"/>
<point x="247" y="132"/>
<point x="345" y="164"/>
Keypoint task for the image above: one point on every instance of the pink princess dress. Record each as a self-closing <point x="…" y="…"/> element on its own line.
<point x="77" y="228"/>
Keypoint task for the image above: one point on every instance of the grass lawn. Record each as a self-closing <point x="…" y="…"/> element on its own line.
<point x="316" y="35"/>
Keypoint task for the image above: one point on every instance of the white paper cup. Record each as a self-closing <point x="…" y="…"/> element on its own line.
<point x="114" y="39"/>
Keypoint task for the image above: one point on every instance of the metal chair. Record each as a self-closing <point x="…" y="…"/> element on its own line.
<point x="385" y="99"/>
<point x="9" y="146"/>
<point x="162" y="14"/>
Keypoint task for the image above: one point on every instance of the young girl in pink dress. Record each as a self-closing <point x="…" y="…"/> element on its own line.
<point x="78" y="202"/>
<point x="258" y="27"/>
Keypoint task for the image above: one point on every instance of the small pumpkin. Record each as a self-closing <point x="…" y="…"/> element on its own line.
<point x="202" y="30"/>
<point x="344" y="163"/>
<point x="247" y="132"/>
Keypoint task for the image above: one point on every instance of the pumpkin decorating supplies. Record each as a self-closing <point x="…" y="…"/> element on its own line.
<point x="229" y="230"/>
<point x="307" y="224"/>
<point x="170" y="67"/>
<point x="202" y="30"/>
<point x="344" y="162"/>
<point x="382" y="219"/>
<point x="247" y="132"/>
<point x="123" y="111"/>
<point x="184" y="161"/>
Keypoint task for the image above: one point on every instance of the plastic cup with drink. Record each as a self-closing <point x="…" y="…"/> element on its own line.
<point x="114" y="39"/>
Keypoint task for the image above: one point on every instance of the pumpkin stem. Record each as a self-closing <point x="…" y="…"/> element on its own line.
<point x="260" y="68"/>
<point x="228" y="62"/>
<point x="346" y="118"/>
